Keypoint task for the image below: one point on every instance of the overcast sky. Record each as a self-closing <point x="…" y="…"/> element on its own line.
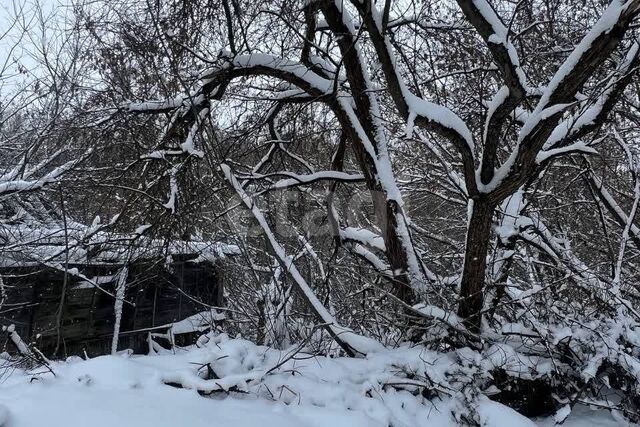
<point x="21" y="30"/>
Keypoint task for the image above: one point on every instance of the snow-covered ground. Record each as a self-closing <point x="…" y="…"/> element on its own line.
<point x="250" y="386"/>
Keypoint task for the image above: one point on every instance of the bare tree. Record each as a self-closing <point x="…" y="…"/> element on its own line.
<point x="454" y="173"/>
<point x="350" y="58"/>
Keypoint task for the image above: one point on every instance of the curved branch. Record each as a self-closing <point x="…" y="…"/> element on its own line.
<point x="412" y="108"/>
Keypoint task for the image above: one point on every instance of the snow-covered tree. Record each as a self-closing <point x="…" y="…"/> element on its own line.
<point x="458" y="173"/>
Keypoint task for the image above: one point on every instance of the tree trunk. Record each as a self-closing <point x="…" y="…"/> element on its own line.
<point x="396" y="255"/>
<point x="386" y="213"/>
<point x="475" y="263"/>
<point x="505" y="253"/>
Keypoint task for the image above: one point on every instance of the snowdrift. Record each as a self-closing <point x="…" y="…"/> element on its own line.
<point x="233" y="382"/>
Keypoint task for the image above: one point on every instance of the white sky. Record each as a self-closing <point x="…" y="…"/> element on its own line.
<point x="21" y="36"/>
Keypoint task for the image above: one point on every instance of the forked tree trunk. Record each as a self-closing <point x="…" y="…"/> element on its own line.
<point x="475" y="263"/>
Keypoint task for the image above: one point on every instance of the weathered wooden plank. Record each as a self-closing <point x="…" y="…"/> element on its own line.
<point x="155" y="297"/>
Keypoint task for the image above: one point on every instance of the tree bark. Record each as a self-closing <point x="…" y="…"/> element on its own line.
<point x="475" y="262"/>
<point x="386" y="214"/>
<point x="396" y="254"/>
<point x="387" y="210"/>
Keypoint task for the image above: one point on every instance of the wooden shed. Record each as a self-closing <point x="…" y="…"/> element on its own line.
<point x="156" y="295"/>
<point x="58" y="285"/>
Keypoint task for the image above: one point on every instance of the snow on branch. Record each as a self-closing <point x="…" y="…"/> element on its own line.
<point x="577" y="147"/>
<point x="10" y="183"/>
<point x="611" y="204"/>
<point x="364" y="236"/>
<point x="20" y="345"/>
<point x="173" y="190"/>
<point x="573" y="126"/>
<point x="566" y="81"/>
<point x="155" y="106"/>
<point x="212" y="79"/>
<point x="489" y="25"/>
<point x="416" y="110"/>
<point x="297" y="179"/>
<point x="274" y="65"/>
<point x="412" y="106"/>
<point x="538" y="234"/>
<point x="121" y="287"/>
<point x="351" y="342"/>
<point x="438" y="114"/>
<point x="380" y="266"/>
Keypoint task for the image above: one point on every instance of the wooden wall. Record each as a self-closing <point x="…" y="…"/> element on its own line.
<point x="155" y="296"/>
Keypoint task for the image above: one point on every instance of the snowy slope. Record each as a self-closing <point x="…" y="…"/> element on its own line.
<point x="267" y="388"/>
<point x="116" y="391"/>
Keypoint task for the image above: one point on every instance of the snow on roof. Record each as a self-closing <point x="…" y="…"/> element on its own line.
<point x="25" y="245"/>
<point x="31" y="234"/>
